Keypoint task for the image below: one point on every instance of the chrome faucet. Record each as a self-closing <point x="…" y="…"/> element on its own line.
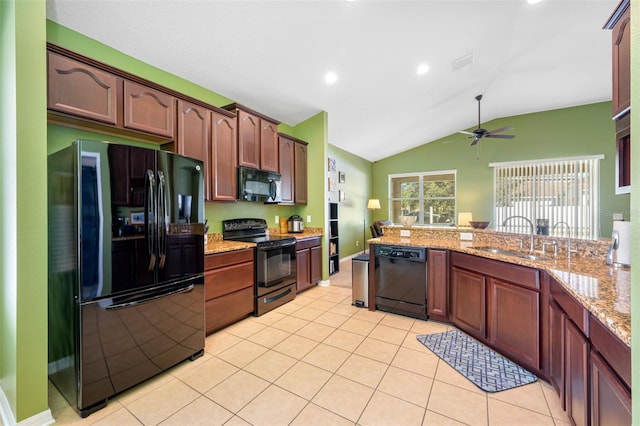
<point x="569" y="251"/>
<point x="531" y="244"/>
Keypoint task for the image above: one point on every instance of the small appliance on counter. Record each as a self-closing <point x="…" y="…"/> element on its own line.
<point x="620" y="251"/>
<point x="296" y="224"/>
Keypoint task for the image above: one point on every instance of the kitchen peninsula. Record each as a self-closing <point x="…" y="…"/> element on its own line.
<point x="567" y="319"/>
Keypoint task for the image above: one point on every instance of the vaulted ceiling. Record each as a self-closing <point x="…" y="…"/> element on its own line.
<point x="272" y="56"/>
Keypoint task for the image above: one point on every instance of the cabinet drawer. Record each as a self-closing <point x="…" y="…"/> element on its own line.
<point x="612" y="349"/>
<point x="228" y="309"/>
<point x="308" y="243"/>
<point x="574" y="310"/>
<point x="219" y="282"/>
<point x="516" y="274"/>
<point x="220" y="260"/>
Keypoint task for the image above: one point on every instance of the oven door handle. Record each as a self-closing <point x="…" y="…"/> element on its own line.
<point x="276" y="297"/>
<point x="275" y="247"/>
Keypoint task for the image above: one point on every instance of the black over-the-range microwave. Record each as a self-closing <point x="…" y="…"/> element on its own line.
<point x="259" y="185"/>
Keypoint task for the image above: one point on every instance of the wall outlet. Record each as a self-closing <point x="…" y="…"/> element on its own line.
<point x="405" y="233"/>
<point x="277" y="220"/>
<point x="357" y="243"/>
<point x="308" y="218"/>
<point x="466" y="236"/>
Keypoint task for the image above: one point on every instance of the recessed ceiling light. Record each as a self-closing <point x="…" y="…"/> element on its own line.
<point x="422" y="69"/>
<point x="533" y="1"/>
<point x="330" y="77"/>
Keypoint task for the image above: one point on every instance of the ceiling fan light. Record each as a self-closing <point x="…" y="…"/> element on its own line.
<point x="533" y="1"/>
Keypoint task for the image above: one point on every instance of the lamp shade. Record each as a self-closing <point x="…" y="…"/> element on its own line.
<point x="464" y="218"/>
<point x="373" y="204"/>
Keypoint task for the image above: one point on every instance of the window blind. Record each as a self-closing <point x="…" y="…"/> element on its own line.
<point x="561" y="191"/>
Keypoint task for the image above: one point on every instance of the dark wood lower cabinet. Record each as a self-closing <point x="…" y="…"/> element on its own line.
<point x="556" y="349"/>
<point x="437" y="280"/>
<point x="610" y="400"/>
<point x="468" y="303"/>
<point x="308" y="263"/>
<point x="228" y="288"/>
<point x="576" y="360"/>
<point x="513" y="322"/>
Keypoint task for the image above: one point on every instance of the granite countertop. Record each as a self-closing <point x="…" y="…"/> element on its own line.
<point x="603" y="290"/>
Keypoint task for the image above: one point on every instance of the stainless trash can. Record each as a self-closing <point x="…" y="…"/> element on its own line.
<point x="360" y="280"/>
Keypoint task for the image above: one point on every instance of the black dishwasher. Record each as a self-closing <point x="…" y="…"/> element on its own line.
<point x="400" y="279"/>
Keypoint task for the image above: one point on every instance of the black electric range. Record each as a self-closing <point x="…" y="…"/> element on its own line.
<point x="275" y="261"/>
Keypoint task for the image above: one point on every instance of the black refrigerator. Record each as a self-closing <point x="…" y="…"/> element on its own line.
<point x="126" y="267"/>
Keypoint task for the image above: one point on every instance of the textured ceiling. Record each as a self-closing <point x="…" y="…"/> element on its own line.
<point x="272" y="56"/>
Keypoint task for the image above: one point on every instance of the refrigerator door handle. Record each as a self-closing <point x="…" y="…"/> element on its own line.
<point x="150" y="219"/>
<point x="149" y="298"/>
<point x="162" y="220"/>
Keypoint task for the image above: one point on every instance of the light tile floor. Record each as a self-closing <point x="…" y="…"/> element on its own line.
<point x="320" y="361"/>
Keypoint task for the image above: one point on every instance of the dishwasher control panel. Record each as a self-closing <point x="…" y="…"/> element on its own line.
<point x="409" y="253"/>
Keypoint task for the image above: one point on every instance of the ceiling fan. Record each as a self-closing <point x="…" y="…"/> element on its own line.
<point x="480" y="133"/>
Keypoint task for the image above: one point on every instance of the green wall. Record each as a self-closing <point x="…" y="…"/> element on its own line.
<point x="568" y="132"/>
<point x="355" y="219"/>
<point x="23" y="247"/>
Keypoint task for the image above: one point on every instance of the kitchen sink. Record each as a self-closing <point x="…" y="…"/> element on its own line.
<point x="513" y="253"/>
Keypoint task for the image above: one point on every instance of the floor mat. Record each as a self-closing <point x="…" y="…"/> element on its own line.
<point x="486" y="368"/>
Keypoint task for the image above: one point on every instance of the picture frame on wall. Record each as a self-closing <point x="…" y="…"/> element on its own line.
<point x="341" y="177"/>
<point x="137" y="218"/>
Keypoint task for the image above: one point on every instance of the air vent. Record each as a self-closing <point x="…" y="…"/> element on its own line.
<point x="462" y="62"/>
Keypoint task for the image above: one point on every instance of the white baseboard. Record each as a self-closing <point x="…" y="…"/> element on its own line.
<point x="43" y="418"/>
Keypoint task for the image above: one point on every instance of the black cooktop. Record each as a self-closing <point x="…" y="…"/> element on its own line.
<point x="252" y="231"/>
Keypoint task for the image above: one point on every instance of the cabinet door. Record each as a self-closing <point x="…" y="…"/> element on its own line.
<point x="556" y="349"/>
<point x="81" y="90"/>
<point x="610" y="400"/>
<point x="303" y="271"/>
<point x="223" y="159"/>
<point x="268" y="146"/>
<point x="316" y="264"/>
<point x="576" y="361"/>
<point x="468" y="302"/>
<point x="248" y="140"/>
<point x="437" y="294"/>
<point x="513" y="323"/>
<point x="300" y="173"/>
<point x="148" y="110"/>
<point x="193" y="130"/>
<point x="286" y="154"/>
<point x="621" y="50"/>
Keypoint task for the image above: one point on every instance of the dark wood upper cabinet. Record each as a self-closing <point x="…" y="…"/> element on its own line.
<point x="80" y="89"/>
<point x="194" y="125"/>
<point x="286" y="150"/>
<point x="620" y="24"/>
<point x="149" y="110"/>
<point x="223" y="159"/>
<point x="257" y="139"/>
<point x="248" y="140"/>
<point x="269" y="146"/>
<point x="623" y="154"/>
<point x="300" y="173"/>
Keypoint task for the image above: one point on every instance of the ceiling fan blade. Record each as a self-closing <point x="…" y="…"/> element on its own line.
<point x="499" y="136"/>
<point x="501" y="129"/>
<point x="466" y="133"/>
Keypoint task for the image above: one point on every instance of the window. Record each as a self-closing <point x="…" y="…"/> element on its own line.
<point x="554" y="194"/>
<point x="431" y="196"/>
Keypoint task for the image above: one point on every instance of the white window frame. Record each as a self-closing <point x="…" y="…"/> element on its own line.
<point x="584" y="222"/>
<point x="421" y="198"/>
